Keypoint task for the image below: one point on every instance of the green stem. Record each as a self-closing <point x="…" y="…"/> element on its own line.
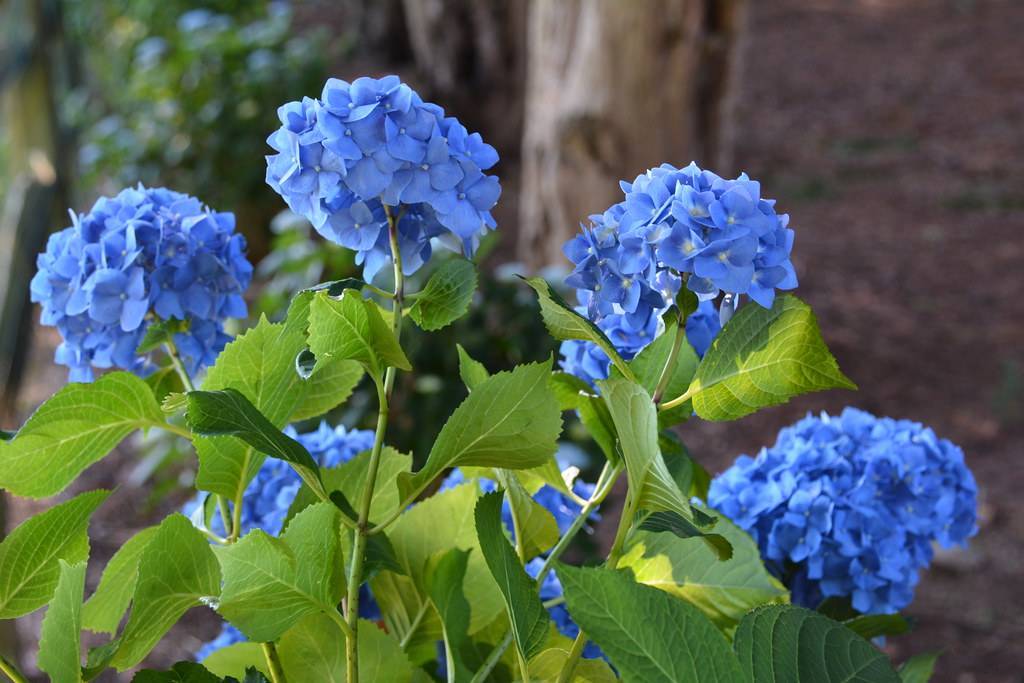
<point x="378" y="291"/>
<point x="669" y="405"/>
<point x="605" y="481"/>
<point x="362" y="525"/>
<point x="569" y="668"/>
<point x="177" y="430"/>
<point x="492" y="659"/>
<point x="11" y="671"/>
<point x="273" y="663"/>
<point x="337" y="619"/>
<point x="670" y="363"/>
<point x="625" y="522"/>
<point x="414" y="625"/>
<point x="524" y="669"/>
<point x="179" y="367"/>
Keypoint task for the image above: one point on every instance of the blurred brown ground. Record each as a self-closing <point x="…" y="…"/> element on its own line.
<point x="892" y="131"/>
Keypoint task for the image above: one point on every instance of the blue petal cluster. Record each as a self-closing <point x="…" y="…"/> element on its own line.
<point x="347" y="160"/>
<point x="849" y="506"/>
<point x="146" y="255"/>
<point x="270" y="494"/>
<point x="587" y="361"/>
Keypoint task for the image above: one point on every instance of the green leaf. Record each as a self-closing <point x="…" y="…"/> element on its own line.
<point x="300" y="572"/>
<point x="870" y="626"/>
<point x="575" y="394"/>
<point x="228" y="412"/>
<point x="105" y="607"/>
<point x="351" y="328"/>
<point x="919" y="668"/>
<point x="472" y="372"/>
<point x="433" y="526"/>
<point x="30" y="556"/>
<point x="650" y="362"/>
<point x="60" y="645"/>
<point x="675" y="523"/>
<point x="444" y="578"/>
<point x="259" y="364"/>
<point x="446" y="297"/>
<point x="532" y="520"/>
<point x="548" y="664"/>
<point x="723" y="590"/>
<point x="177" y="572"/>
<point x="647" y="634"/>
<point x="329" y="385"/>
<point x="564" y="323"/>
<point x="76" y="427"/>
<point x="510" y="420"/>
<point x="762" y="358"/>
<point x="160" y="333"/>
<point x="527" y="615"/>
<point x="636" y="423"/>
<point x="234" y="659"/>
<point x="314" y="650"/>
<point x="787" y="643"/>
<point x="182" y="672"/>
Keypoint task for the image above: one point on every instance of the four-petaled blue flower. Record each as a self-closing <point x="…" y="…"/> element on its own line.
<point x="145" y="255"/>
<point x="849" y="506"/>
<point x="371" y="150"/>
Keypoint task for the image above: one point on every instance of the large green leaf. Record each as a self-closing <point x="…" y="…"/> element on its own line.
<point x="328" y="386"/>
<point x="636" y="423"/>
<point x="271" y="583"/>
<point x="548" y="664"/>
<point x="510" y="420"/>
<point x="259" y="365"/>
<point x="527" y="615"/>
<point x="444" y="577"/>
<point x="788" y="643"/>
<point x="229" y="413"/>
<point x="432" y="526"/>
<point x="77" y="426"/>
<point x="446" y="296"/>
<point x="575" y="394"/>
<point x="351" y="328"/>
<point x="105" y="607"/>
<point x="648" y="635"/>
<point x="30" y="556"/>
<point x="534" y="525"/>
<point x="763" y="357"/>
<point x="314" y="650"/>
<point x="564" y="323"/>
<point x="234" y="659"/>
<point x="177" y="572"/>
<point x="60" y="645"/>
<point x="181" y="672"/>
<point x="724" y="590"/>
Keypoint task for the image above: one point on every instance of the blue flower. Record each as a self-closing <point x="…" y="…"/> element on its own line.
<point x="674" y="225"/>
<point x="145" y="255"/>
<point x="270" y="494"/>
<point x="849" y="506"/>
<point x="371" y="148"/>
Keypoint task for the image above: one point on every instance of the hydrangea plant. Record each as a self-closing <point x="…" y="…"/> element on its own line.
<point x="330" y="556"/>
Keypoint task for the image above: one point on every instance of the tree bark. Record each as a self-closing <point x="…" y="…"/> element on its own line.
<point x="612" y="89"/>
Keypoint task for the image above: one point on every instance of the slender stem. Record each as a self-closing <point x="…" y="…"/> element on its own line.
<point x="569" y="668"/>
<point x="273" y="663"/>
<point x="625" y="522"/>
<point x="492" y="659"/>
<point x="337" y="619"/>
<point x="670" y="363"/>
<point x="384" y="390"/>
<point x="404" y="643"/>
<point x="669" y="405"/>
<point x="524" y="669"/>
<point x="605" y="481"/>
<point x="179" y="367"/>
<point x="176" y="429"/>
<point x="214" y="537"/>
<point x="378" y="291"/>
<point x="553" y="602"/>
<point x="11" y="671"/>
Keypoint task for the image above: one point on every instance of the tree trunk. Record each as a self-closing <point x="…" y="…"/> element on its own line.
<point x="612" y="89"/>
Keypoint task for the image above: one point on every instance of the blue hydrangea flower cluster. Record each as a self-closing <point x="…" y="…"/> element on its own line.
<point x="587" y="361"/>
<point x="849" y="506"/>
<point x="145" y="255"/>
<point x="271" y="493"/>
<point x="347" y="159"/>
